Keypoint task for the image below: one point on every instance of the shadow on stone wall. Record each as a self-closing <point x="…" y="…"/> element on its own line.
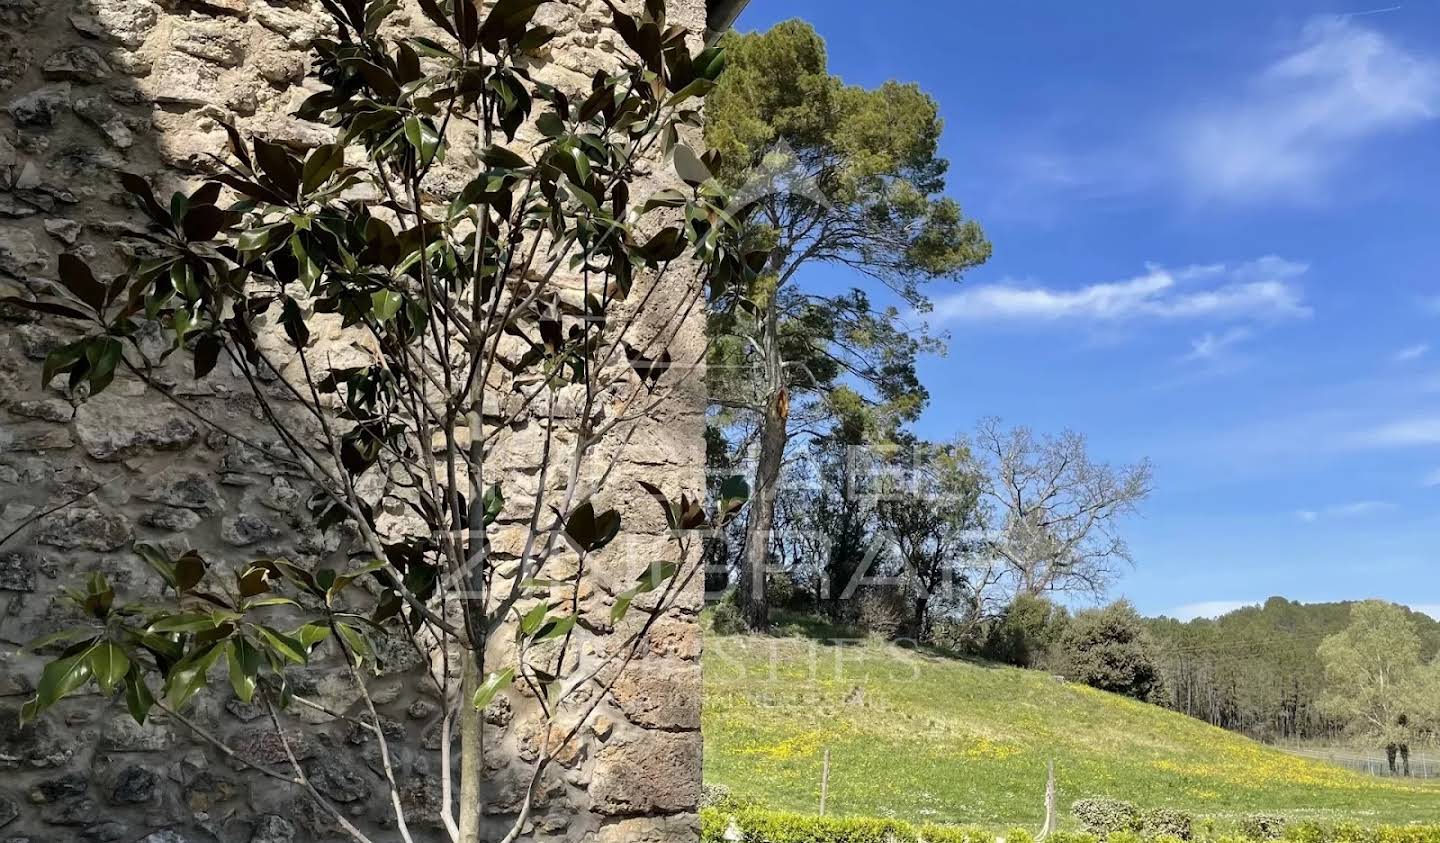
<point x="91" y="88"/>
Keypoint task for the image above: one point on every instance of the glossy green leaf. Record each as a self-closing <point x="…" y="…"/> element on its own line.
<point x="109" y="662"/>
<point x="532" y="619"/>
<point x="491" y="686"/>
<point x="286" y="646"/>
<point x="311" y="634"/>
<point x="60" y="678"/>
<point x="244" y="664"/>
<point x="359" y="645"/>
<point x="187" y="622"/>
<point x="653" y="577"/>
<point x="190" y="675"/>
<point x="423" y="137"/>
<point x="554" y="628"/>
<point x="44" y="641"/>
<point x="385" y="304"/>
<point x="138" y="699"/>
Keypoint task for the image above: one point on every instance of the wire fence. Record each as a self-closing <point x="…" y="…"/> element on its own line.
<point x="1423" y="765"/>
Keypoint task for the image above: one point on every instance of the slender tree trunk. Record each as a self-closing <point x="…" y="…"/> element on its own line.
<point x="754" y="607"/>
<point x="472" y="768"/>
<point x="922" y="612"/>
<point x="472" y="723"/>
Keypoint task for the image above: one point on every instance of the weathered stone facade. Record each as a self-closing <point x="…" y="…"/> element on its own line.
<point x="93" y="87"/>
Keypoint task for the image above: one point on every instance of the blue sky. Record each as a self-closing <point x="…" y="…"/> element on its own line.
<point x="1217" y="244"/>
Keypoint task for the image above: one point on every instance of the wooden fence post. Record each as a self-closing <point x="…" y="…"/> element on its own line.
<point x="824" y="780"/>
<point x="1052" y="821"/>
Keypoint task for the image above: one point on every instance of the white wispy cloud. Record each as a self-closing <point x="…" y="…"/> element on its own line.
<point x="1432" y="479"/>
<point x="1208" y="609"/>
<point x="1353" y="509"/>
<point x="1419" y="430"/>
<point x="1212" y="346"/>
<point x="1266" y="288"/>
<point x="1303" y="116"/>
<point x="1280" y="132"/>
<point x="1411" y="352"/>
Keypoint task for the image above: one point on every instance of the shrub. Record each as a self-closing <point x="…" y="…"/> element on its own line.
<point x="1025" y="631"/>
<point x="713" y="823"/>
<point x="722" y="798"/>
<point x="758" y="825"/>
<point x="1167" y="822"/>
<point x="1306" y="832"/>
<point x="1110" y="649"/>
<point x="777" y="827"/>
<point x="1407" y="834"/>
<point x="955" y="834"/>
<point x="881" y="611"/>
<point x="726" y="619"/>
<point x="1125" y="836"/>
<point x="762" y="826"/>
<point x="780" y="589"/>
<point x="1070" y="837"/>
<point x="1263" y="826"/>
<point x="1104" y="817"/>
<point x="1352" y="833"/>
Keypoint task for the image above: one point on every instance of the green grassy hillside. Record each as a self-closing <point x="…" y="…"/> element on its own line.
<point x="925" y="738"/>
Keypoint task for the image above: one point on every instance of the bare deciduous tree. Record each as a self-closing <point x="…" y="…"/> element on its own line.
<point x="1056" y="510"/>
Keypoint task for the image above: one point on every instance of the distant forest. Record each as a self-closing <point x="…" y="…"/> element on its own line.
<point x="1255" y="670"/>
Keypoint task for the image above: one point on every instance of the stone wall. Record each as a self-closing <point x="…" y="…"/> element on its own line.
<point x="93" y="87"/>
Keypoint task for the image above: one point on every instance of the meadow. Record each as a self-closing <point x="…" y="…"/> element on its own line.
<point x="927" y="738"/>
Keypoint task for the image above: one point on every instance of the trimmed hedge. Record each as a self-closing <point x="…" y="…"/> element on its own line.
<point x="757" y="825"/>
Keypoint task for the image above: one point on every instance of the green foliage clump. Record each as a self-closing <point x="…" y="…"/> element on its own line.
<point x="1307" y="832"/>
<point x="722" y="798"/>
<point x="726" y="619"/>
<point x="1377" y="681"/>
<point x="1125" y="822"/>
<point x="1353" y="833"/>
<point x="1167" y="822"/>
<point x="758" y="825"/>
<point x="1263" y="826"/>
<point x="1105" y="817"/>
<point x="1407" y="834"/>
<point x="1025" y="632"/>
<point x="932" y="833"/>
<point x="1111" y="649"/>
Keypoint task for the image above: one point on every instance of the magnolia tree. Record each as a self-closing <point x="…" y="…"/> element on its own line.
<point x="519" y="300"/>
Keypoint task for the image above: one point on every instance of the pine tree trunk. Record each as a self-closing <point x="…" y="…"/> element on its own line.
<point x="754" y="606"/>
